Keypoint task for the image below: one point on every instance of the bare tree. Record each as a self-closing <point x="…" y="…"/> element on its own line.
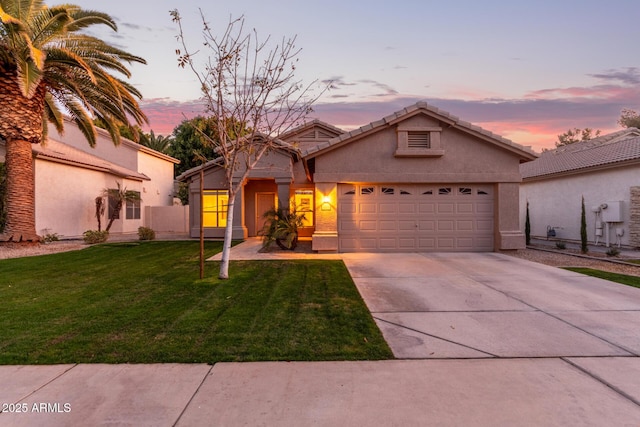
<point x="249" y="86"/>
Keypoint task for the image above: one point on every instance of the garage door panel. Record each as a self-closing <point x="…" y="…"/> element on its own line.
<point x="388" y="226"/>
<point x="465" y="208"/>
<point x="367" y="208"/>
<point x="427" y="208"/>
<point x="388" y="243"/>
<point x="368" y="243"/>
<point x="484" y="225"/>
<point x="464" y="225"/>
<point x="371" y="225"/>
<point x="444" y="217"/>
<point x="445" y="225"/>
<point x="409" y="225"/>
<point x="445" y="208"/>
<point x="347" y="208"/>
<point x="388" y="208"/>
<point x="406" y="244"/>
<point x="484" y="208"/>
<point x="406" y="208"/>
<point x="426" y="225"/>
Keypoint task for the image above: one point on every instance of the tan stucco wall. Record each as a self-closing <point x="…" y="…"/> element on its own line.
<point x="466" y="159"/>
<point x="557" y="202"/>
<point x="371" y="159"/>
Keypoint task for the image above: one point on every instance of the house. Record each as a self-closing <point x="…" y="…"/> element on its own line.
<point x="70" y="174"/>
<point x="420" y="179"/>
<point x="605" y="171"/>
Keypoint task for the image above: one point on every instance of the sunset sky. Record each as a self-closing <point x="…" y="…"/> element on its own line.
<point x="526" y="70"/>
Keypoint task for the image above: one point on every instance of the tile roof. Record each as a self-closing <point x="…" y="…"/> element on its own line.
<point x="59" y="152"/>
<point x="442" y="115"/>
<point x="607" y="150"/>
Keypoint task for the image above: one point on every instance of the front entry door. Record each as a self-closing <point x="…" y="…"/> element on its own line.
<point x="264" y="202"/>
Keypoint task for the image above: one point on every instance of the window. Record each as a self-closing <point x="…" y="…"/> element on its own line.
<point x="464" y="190"/>
<point x="366" y="191"/>
<point x="133" y="208"/>
<point x="214" y="208"/>
<point x="303" y="200"/>
<point x="404" y="193"/>
<point x="388" y="190"/>
<point x="444" y="190"/>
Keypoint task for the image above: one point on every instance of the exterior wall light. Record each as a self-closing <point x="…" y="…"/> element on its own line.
<point x="326" y="203"/>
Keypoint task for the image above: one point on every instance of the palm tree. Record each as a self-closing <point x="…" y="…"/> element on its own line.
<point x="48" y="67"/>
<point x="119" y="196"/>
<point x="159" y="143"/>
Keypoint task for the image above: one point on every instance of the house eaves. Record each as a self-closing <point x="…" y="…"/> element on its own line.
<point x="58" y="152"/>
<point x="525" y="153"/>
<point x="218" y="162"/>
<point x="302" y="129"/>
<point x="132" y="144"/>
<point x="582" y="159"/>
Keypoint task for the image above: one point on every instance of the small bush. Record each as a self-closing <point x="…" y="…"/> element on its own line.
<point x="94" y="236"/>
<point x="613" y="252"/>
<point x="50" y="237"/>
<point x="146" y="233"/>
<point x="561" y="245"/>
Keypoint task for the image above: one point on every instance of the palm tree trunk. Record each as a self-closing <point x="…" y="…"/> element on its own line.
<point x="21" y="215"/>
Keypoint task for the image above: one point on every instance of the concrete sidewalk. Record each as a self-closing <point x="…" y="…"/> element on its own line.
<point x="480" y="340"/>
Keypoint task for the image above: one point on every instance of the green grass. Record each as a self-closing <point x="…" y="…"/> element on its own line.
<point x="144" y="303"/>
<point x="613" y="277"/>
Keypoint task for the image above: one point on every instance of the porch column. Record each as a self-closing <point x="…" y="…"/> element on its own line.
<point x="284" y="192"/>
<point x="325" y="237"/>
<point x="508" y="233"/>
<point x="240" y="231"/>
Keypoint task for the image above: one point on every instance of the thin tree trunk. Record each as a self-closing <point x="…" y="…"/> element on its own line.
<point x="115" y="212"/>
<point x="202" y="221"/>
<point x="21" y="214"/>
<point x="228" y="235"/>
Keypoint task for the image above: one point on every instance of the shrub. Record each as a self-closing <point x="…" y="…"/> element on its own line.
<point x="613" y="252"/>
<point x="94" y="236"/>
<point x="561" y="245"/>
<point x="584" y="246"/>
<point x="146" y="233"/>
<point x="281" y="226"/>
<point x="50" y="237"/>
<point x="527" y="227"/>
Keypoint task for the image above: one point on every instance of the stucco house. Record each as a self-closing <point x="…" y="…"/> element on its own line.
<point x="70" y="174"/>
<point x="605" y="170"/>
<point x="420" y="179"/>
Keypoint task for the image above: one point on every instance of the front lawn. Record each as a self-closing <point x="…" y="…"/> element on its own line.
<point x="144" y="303"/>
<point x="613" y="277"/>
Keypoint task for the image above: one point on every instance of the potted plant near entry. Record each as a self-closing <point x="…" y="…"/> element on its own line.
<point x="281" y="226"/>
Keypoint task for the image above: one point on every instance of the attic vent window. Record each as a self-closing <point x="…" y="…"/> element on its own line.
<point x="420" y="140"/>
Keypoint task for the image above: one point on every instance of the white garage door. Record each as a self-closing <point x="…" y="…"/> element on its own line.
<point x="396" y="218"/>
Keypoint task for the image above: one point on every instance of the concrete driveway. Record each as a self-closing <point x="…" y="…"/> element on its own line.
<point x="480" y="340"/>
<point x="487" y="305"/>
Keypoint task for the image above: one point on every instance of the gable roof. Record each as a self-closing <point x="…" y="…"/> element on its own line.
<point x="314" y="130"/>
<point x="218" y="161"/>
<point x="59" y="152"/>
<point x="610" y="150"/>
<point x="525" y="153"/>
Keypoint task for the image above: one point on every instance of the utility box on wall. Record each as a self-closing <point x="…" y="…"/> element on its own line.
<point x="613" y="212"/>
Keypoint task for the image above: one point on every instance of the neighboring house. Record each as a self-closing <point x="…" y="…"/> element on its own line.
<point x="418" y="180"/>
<point x="605" y="170"/>
<point x="69" y="175"/>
